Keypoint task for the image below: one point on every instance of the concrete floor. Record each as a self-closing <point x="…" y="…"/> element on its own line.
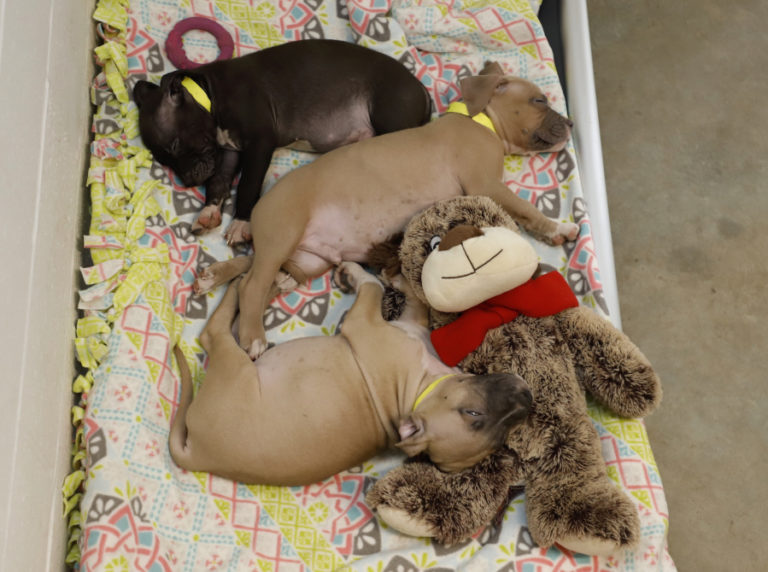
<point x="682" y="94"/>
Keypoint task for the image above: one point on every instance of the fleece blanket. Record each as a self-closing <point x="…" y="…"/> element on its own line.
<point x="129" y="506"/>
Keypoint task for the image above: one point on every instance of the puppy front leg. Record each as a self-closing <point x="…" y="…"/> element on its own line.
<point x="221" y="272"/>
<point x="219" y="325"/>
<point x="277" y="226"/>
<point x="217" y="190"/>
<point x="529" y="217"/>
<point x="255" y="161"/>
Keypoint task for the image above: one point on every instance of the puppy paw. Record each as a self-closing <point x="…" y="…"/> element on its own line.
<point x="256" y="348"/>
<point x="209" y="218"/>
<point x="566" y="231"/>
<point x="239" y="231"/>
<point x="285" y="282"/>
<point x="342" y="279"/>
<point x="350" y="276"/>
<point x="205" y="282"/>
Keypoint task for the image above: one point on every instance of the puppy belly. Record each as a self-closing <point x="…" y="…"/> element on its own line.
<point x="324" y="130"/>
<point x="340" y="232"/>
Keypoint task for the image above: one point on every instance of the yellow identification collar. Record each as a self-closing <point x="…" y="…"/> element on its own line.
<point x="461" y="108"/>
<point x="197" y="93"/>
<point x="429" y="389"/>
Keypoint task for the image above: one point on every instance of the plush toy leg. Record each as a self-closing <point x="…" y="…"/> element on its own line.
<point x="419" y="500"/>
<point x="404" y="522"/>
<point x="569" y="498"/>
<point x="593" y="518"/>
<point x="591" y="546"/>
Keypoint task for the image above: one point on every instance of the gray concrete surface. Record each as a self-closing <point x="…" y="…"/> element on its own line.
<point x="683" y="100"/>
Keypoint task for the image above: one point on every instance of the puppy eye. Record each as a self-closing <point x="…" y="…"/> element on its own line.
<point x="541" y="100"/>
<point x="472" y="412"/>
<point x="174" y="146"/>
<point x="434" y="242"/>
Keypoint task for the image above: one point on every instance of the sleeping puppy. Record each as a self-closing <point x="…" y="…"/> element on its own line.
<point x="205" y="123"/>
<point x="312" y="407"/>
<point x="337" y="207"/>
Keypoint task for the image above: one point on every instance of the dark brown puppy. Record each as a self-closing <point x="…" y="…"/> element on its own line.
<point x="323" y="93"/>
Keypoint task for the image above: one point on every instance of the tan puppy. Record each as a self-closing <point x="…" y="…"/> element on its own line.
<point x="312" y="407"/>
<point x="337" y="207"/>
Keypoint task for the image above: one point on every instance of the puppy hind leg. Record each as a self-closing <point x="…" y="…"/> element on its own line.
<point x="413" y="106"/>
<point x="367" y="306"/>
<point x="220" y="322"/>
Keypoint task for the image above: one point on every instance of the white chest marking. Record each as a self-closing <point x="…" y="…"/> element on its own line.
<point x="225" y="139"/>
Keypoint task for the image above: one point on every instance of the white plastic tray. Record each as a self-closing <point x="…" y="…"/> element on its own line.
<point x="582" y="107"/>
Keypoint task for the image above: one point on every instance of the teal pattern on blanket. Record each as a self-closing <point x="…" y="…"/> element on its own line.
<point x="138" y="509"/>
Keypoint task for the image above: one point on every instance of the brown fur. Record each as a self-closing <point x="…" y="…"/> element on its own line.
<point x="251" y="421"/>
<point x="570" y="499"/>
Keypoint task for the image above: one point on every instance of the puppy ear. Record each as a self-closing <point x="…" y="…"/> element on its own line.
<point x="491" y="68"/>
<point x="384" y="255"/>
<point x="541" y="139"/>
<point x="140" y="92"/>
<point x="413" y="441"/>
<point x="413" y="445"/>
<point x="478" y="90"/>
<point x="173" y="91"/>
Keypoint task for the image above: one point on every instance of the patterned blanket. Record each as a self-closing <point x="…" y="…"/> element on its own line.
<point x="130" y="507"/>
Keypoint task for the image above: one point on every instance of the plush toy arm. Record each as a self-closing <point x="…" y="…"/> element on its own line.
<point x="610" y="366"/>
<point x="419" y="500"/>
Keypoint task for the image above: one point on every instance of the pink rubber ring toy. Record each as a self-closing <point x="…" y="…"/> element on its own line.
<point x="175" y="49"/>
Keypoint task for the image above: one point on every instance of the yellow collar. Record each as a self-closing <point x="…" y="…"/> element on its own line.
<point x="481" y="118"/>
<point x="430" y="388"/>
<point x="197" y="93"/>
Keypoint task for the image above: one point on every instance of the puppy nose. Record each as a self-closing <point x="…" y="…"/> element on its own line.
<point x="459" y="234"/>
<point x="568" y="122"/>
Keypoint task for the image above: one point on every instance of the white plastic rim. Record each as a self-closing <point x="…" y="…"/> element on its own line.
<point x="582" y="107"/>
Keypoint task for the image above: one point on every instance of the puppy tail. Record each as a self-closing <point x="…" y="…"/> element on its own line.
<point x="177" y="440"/>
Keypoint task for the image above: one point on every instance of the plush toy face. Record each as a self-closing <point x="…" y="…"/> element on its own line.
<point x="470" y="264"/>
<point x="463" y="251"/>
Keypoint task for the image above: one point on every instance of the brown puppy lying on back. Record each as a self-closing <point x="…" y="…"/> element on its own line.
<point x="337" y="207"/>
<point x="312" y="407"/>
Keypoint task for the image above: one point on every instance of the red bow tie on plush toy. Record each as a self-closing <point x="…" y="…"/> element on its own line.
<point x="543" y="296"/>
